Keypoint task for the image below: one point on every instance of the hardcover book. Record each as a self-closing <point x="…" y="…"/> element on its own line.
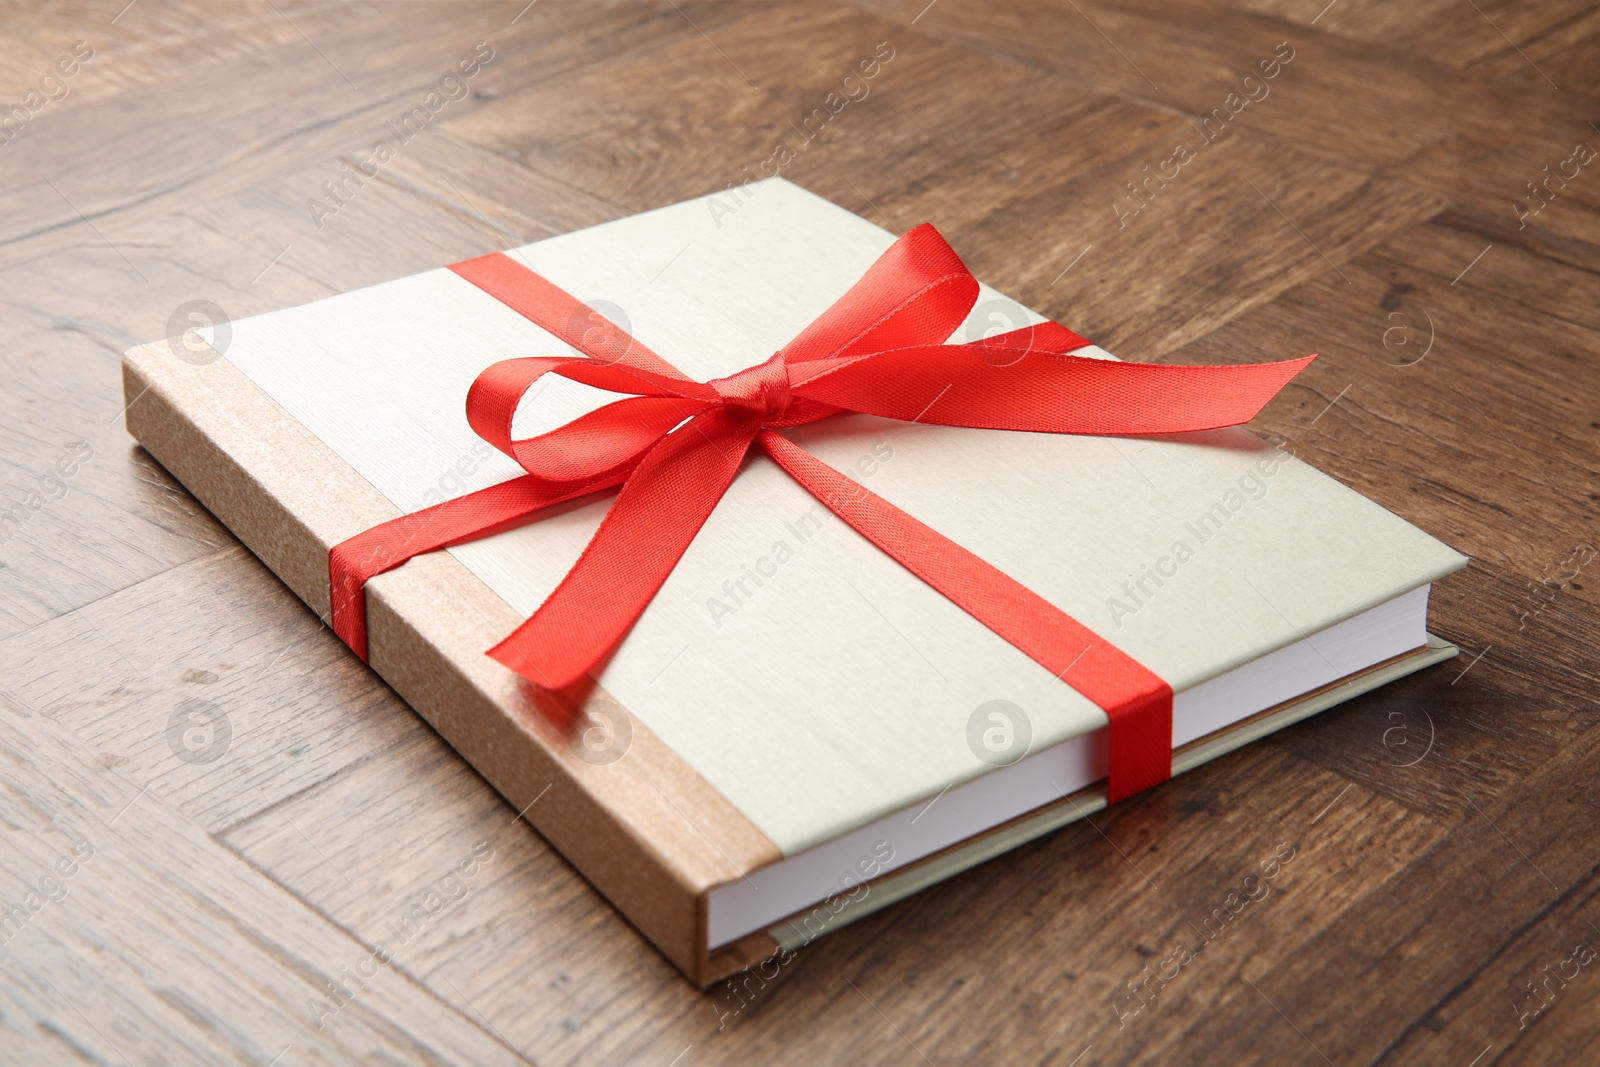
<point x="798" y="730"/>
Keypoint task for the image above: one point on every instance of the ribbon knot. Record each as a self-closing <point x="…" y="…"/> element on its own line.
<point x="763" y="389"/>
<point x="674" y="445"/>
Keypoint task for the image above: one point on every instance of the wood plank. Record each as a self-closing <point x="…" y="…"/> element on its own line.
<point x="199" y="683"/>
<point x="135" y="937"/>
<point x="1565" y="53"/>
<point x="82" y="512"/>
<point x="1523" y="863"/>
<point x="1461" y="36"/>
<point x="283" y="108"/>
<point x="614" y="129"/>
<point x="1373" y="102"/>
<point x="581" y="986"/>
<point x="1227" y="244"/>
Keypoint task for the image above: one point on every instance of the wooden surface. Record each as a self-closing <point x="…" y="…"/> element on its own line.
<point x="1441" y="831"/>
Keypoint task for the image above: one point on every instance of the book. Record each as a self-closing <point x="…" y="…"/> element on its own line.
<point x="797" y="731"/>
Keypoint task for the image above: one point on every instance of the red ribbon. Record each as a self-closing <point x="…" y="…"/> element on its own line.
<point x="675" y="444"/>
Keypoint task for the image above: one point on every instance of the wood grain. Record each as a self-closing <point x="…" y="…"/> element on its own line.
<point x="1442" y="828"/>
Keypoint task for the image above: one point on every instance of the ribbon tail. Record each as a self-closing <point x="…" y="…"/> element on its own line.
<point x="987" y="387"/>
<point x="1137" y="702"/>
<point x="661" y="508"/>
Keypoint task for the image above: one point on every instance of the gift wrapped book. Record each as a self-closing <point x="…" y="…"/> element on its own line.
<point x="777" y="640"/>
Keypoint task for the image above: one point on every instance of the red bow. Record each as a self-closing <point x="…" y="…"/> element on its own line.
<point x="674" y="445"/>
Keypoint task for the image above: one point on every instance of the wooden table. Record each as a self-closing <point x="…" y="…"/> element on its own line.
<point x="211" y="810"/>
